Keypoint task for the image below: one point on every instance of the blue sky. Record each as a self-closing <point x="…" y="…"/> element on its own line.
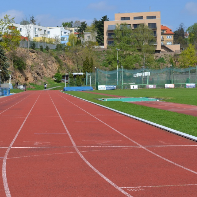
<point x="53" y="13"/>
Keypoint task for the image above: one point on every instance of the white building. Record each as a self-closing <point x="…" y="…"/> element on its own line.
<point x="31" y="30"/>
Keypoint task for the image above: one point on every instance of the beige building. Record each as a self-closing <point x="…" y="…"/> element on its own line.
<point x="151" y="19"/>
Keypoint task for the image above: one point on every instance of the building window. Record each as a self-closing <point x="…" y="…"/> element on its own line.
<point x="48" y="32"/>
<point x="151" y="17"/>
<point x="128" y="26"/>
<point x="169" y="36"/>
<point x="45" y="31"/>
<point x="20" y="29"/>
<point x="138" y="18"/>
<point x="125" y="18"/>
<point x="111" y="27"/>
<point x="110" y="35"/>
<point x="35" y="31"/>
<point x="152" y="25"/>
<point x="169" y="43"/>
<point x="155" y="33"/>
<point x="135" y="26"/>
<point x="110" y="42"/>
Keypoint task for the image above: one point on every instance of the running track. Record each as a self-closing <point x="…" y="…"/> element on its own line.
<point x="55" y="145"/>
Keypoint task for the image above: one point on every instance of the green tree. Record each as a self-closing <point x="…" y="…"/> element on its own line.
<point x="79" y="80"/>
<point x="41" y="48"/>
<point x="3" y="65"/>
<point x="58" y="77"/>
<point x="9" y="34"/>
<point x="82" y="28"/>
<point x="145" y="43"/>
<point x="72" y="39"/>
<point x="86" y="65"/>
<point x="33" y="46"/>
<point x="179" y="36"/>
<point x="32" y="20"/>
<point x="124" y="49"/>
<point x="100" y="29"/>
<point x="192" y="30"/>
<point x="188" y="57"/>
<point x="71" y="80"/>
<point x="67" y="24"/>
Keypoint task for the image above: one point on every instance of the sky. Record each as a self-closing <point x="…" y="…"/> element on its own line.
<point x="53" y="13"/>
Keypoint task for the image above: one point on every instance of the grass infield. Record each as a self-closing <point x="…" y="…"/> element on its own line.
<point x="174" y="120"/>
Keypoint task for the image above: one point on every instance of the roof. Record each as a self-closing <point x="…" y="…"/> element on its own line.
<point x="168" y="30"/>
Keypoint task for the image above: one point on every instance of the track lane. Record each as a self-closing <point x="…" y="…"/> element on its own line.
<point x="48" y="165"/>
<point x="165" y="137"/>
<point x="43" y="161"/>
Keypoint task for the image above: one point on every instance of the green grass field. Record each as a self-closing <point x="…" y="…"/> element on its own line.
<point x="180" y="122"/>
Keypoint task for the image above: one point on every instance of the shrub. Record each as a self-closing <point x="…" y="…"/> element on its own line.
<point x="19" y="63"/>
<point x="58" y="77"/>
<point x="41" y="48"/>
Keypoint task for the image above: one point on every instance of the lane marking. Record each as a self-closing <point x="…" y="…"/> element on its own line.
<point x="155" y="186"/>
<point x="14" y="105"/>
<point x="4" y="175"/>
<point x="104" y="146"/>
<point x="85" y="160"/>
<point x="143" y="147"/>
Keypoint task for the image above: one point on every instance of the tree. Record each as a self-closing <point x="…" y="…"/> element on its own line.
<point x="72" y="39"/>
<point x="179" y="36"/>
<point x="67" y="24"/>
<point x="131" y="47"/>
<point x="9" y="34"/>
<point x="100" y="29"/>
<point x="188" y="57"/>
<point x="32" y="20"/>
<point x="192" y="30"/>
<point x="58" y="77"/>
<point x="86" y="65"/>
<point x="145" y="40"/>
<point x="82" y="28"/>
<point x="77" y="24"/>
<point x="3" y="65"/>
<point x="71" y="80"/>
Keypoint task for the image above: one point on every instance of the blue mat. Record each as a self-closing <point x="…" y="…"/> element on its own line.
<point x="80" y="88"/>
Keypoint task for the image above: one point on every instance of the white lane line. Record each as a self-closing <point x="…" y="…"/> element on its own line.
<point x="85" y="160"/>
<point x="9" y="99"/>
<point x="14" y="105"/>
<point x="143" y="147"/>
<point x="4" y="176"/>
<point x="104" y="146"/>
<point x="155" y="186"/>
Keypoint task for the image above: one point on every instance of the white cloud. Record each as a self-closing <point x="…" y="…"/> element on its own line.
<point x="17" y="15"/>
<point x="191" y="8"/>
<point x="101" y="6"/>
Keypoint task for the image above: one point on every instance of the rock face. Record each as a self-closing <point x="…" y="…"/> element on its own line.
<point x="38" y="66"/>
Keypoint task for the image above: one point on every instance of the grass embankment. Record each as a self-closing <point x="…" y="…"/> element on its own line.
<point x="177" y="121"/>
<point x="50" y="84"/>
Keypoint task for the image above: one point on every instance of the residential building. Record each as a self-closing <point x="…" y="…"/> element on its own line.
<point x="89" y="36"/>
<point x="167" y="36"/>
<point x="58" y="33"/>
<point x="151" y="19"/>
<point x="167" y="40"/>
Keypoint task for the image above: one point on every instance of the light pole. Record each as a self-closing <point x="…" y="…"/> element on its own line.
<point x="117" y="65"/>
<point x="95" y="78"/>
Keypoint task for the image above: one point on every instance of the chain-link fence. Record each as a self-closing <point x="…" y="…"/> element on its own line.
<point x="123" y="78"/>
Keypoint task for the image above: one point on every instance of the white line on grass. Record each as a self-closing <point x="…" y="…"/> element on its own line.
<point x="4" y="176"/>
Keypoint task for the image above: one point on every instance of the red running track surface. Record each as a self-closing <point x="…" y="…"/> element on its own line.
<point x="52" y="144"/>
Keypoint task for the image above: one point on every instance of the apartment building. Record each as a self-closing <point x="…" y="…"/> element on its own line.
<point x="151" y="19"/>
<point x="167" y="36"/>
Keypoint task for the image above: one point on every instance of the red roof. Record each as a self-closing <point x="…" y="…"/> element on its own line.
<point x="168" y="30"/>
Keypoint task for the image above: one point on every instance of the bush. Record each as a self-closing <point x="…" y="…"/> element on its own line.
<point x="47" y="48"/>
<point x="19" y="63"/>
<point x="33" y="46"/>
<point x="58" y="77"/>
<point x="41" y="48"/>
